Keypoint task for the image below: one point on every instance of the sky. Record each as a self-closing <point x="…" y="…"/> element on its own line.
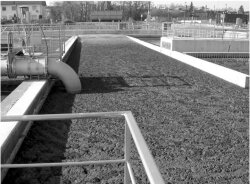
<point x="217" y="4"/>
<point x="211" y="4"/>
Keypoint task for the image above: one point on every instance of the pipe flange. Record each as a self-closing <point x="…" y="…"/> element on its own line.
<point x="11" y="72"/>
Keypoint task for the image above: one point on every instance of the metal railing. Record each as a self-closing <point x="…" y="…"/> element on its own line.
<point x="48" y="40"/>
<point x="189" y="30"/>
<point x="90" y="25"/>
<point x="242" y="55"/>
<point x="205" y="33"/>
<point x="132" y="131"/>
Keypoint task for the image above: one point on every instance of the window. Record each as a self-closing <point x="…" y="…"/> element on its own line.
<point x="3" y="8"/>
<point x="33" y="7"/>
<point x="13" y="8"/>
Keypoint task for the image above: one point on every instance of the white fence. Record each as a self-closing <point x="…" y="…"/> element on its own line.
<point x="205" y="33"/>
<point x="195" y="30"/>
<point x="132" y="131"/>
<point x="94" y="25"/>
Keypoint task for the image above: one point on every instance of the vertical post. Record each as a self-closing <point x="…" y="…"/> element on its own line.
<point x="127" y="150"/>
<point x="10" y="42"/>
<point x="60" y="46"/>
<point x="162" y="29"/>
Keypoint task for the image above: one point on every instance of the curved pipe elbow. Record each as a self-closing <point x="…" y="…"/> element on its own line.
<point x="66" y="74"/>
<point x="27" y="66"/>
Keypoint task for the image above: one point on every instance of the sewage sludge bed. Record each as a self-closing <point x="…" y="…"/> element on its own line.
<point x="195" y="124"/>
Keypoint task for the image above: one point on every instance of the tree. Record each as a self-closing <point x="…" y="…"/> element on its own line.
<point x="84" y="11"/>
<point x="109" y="5"/>
<point x="172" y="6"/>
<point x="56" y="11"/>
<point x="241" y="10"/>
<point x="191" y="8"/>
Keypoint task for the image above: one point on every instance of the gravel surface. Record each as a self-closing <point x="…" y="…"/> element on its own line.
<point x="195" y="124"/>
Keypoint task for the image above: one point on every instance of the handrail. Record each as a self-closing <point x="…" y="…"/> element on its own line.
<point x="3" y="29"/>
<point x="131" y="130"/>
<point x="205" y="33"/>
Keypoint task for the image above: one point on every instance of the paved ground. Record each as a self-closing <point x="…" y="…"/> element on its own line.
<point x="195" y="124"/>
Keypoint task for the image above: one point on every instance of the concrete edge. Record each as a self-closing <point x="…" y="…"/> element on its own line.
<point x="229" y="75"/>
<point x="23" y="100"/>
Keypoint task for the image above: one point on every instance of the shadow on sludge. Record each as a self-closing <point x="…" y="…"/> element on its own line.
<point x="121" y="83"/>
<point x="47" y="140"/>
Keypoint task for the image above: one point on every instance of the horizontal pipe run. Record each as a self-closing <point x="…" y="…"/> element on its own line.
<point x="57" y="68"/>
<point x="67" y="116"/>
<point x="24" y="65"/>
<point x="60" y="164"/>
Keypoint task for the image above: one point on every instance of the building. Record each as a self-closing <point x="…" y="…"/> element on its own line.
<point x="201" y="14"/>
<point x="222" y="17"/>
<point x="25" y="11"/>
<point x="231" y="18"/>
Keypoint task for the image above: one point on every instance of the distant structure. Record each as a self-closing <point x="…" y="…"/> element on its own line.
<point x="105" y="12"/>
<point x="24" y="11"/>
<point x="107" y="16"/>
<point x="222" y="17"/>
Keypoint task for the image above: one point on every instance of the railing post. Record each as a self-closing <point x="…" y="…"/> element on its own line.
<point x="127" y="150"/>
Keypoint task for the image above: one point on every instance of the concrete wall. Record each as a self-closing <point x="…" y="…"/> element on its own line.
<point x="204" y="45"/>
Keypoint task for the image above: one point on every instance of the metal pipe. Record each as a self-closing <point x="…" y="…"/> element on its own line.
<point x="148" y="162"/>
<point x="131" y="173"/>
<point x="65" y="116"/>
<point x="127" y="151"/>
<point x="151" y="169"/>
<point x="60" y="164"/>
<point x="25" y="65"/>
<point x="66" y="74"/>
